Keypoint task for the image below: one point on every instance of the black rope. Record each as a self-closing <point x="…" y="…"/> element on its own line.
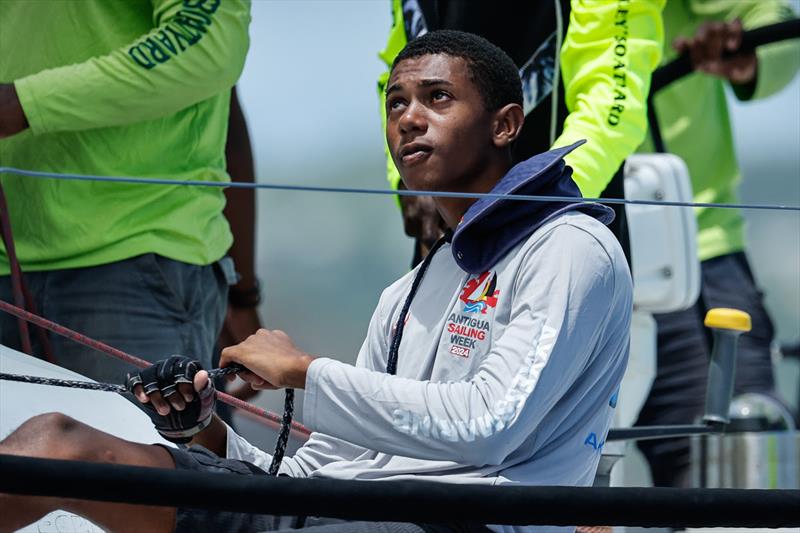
<point x="283" y="435"/>
<point x="404" y="501"/>
<point x="394" y="347"/>
<point x="92" y="385"/>
<point x="655" y="127"/>
<point x="72" y="384"/>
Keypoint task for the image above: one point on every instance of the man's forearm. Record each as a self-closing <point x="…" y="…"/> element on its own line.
<point x="117" y="87"/>
<point x="241" y="203"/>
<point x="213" y="438"/>
<point x="12" y="116"/>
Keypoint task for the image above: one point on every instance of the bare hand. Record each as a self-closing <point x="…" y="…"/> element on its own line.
<point x="708" y="47"/>
<point x="240" y="323"/>
<point x="242" y="391"/>
<point x="12" y="117"/>
<point x="272" y="360"/>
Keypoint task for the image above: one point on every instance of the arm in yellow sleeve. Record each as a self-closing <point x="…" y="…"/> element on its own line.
<point x="777" y="63"/>
<point x="609" y="53"/>
<point x="195" y="50"/>
<point x="396" y="42"/>
<point x="391" y="171"/>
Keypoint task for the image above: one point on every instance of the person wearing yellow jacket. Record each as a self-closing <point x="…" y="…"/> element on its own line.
<point x="120" y="87"/>
<point x="695" y="125"/>
<point x="585" y="67"/>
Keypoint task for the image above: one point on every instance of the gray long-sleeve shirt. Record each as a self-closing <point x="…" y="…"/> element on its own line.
<point x="508" y="376"/>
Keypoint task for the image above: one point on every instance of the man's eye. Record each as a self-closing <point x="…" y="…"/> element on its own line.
<point x="440" y="95"/>
<point x="396" y="103"/>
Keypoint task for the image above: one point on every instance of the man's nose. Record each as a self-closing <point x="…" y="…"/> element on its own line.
<point x="413" y="119"/>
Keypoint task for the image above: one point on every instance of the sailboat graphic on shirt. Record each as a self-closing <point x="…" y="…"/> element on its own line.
<point x="480" y="293"/>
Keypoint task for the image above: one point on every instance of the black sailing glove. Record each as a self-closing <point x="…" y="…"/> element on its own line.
<point x="164" y="377"/>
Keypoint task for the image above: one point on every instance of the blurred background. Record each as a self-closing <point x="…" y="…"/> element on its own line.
<point x="309" y="94"/>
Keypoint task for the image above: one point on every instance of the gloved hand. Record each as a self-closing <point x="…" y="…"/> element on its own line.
<point x="167" y="391"/>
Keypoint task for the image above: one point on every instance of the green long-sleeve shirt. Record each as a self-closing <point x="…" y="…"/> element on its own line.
<point x="693" y="112"/>
<point x="119" y="87"/>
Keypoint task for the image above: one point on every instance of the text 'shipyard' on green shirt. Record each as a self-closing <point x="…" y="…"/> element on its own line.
<point x="693" y="112"/>
<point x="119" y="87"/>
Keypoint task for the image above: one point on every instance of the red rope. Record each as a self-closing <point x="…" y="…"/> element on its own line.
<point x="16" y="287"/>
<point x="271" y="419"/>
<point x="19" y="289"/>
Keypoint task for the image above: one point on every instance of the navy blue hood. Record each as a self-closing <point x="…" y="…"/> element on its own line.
<point x="493" y="226"/>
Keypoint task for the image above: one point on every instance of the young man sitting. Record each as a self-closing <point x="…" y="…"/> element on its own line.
<point x="495" y="361"/>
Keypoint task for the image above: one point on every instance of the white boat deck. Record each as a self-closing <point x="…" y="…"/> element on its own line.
<point x="103" y="410"/>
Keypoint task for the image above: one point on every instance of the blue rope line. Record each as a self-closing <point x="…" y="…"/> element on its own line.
<point x="391" y="192"/>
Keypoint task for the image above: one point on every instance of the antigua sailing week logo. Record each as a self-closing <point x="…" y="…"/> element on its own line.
<point x="467" y="330"/>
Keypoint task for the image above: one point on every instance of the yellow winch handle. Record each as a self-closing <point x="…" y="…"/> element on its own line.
<point x="730" y="319"/>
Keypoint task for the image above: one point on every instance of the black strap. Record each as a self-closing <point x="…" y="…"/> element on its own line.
<point x="391" y="364"/>
<point x="655" y="127"/>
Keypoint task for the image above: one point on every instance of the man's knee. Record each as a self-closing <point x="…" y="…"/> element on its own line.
<point x="38" y="426"/>
<point x="56" y="436"/>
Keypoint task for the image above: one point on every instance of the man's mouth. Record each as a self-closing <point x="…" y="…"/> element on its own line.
<point x="414" y="152"/>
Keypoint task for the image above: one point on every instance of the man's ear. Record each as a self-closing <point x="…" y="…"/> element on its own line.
<point x="508" y="121"/>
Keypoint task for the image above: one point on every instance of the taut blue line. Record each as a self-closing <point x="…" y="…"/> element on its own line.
<point x="391" y="192"/>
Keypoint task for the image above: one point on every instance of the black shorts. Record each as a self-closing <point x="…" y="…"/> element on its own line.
<point x="194" y="520"/>
<point x="188" y="520"/>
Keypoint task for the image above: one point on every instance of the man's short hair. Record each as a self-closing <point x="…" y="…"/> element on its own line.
<point x="491" y="69"/>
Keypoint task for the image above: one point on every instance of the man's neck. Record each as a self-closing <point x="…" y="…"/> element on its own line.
<point x="453" y="209"/>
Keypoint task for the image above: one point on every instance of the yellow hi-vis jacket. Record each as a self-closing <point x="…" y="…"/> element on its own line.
<point x="605" y="52"/>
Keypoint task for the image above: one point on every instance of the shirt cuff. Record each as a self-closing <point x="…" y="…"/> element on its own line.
<point x="27" y="99"/>
<point x="237" y="447"/>
<point x="234" y="443"/>
<point x="312" y="393"/>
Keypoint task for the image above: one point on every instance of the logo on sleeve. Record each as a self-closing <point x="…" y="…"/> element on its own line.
<point x="613" y="400"/>
<point x="594" y="442"/>
<point x="479" y="294"/>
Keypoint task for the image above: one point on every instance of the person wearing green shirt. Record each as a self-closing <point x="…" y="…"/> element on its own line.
<point x="120" y="87"/>
<point x="695" y="125"/>
<point x="585" y="68"/>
